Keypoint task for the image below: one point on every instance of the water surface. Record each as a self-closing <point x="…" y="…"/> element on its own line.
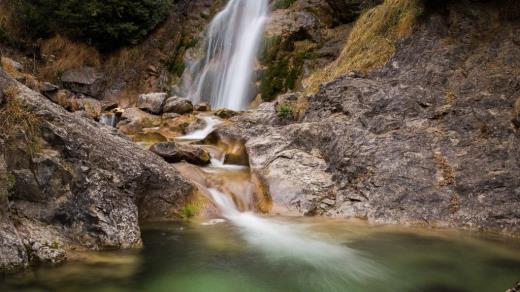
<point x="340" y="257"/>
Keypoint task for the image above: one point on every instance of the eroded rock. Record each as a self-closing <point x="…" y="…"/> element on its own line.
<point x="175" y="152"/>
<point x="152" y="102"/>
<point x="178" y="105"/>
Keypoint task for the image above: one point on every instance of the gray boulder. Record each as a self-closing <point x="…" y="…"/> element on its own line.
<point x="178" y="105"/>
<point x="152" y="102"/>
<point x="84" y="80"/>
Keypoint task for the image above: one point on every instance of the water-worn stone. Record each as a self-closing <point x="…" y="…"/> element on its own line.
<point x="84" y="80"/>
<point x="202" y="107"/>
<point x="91" y="187"/>
<point x="152" y="102"/>
<point x="178" y="105"/>
<point x="174" y="152"/>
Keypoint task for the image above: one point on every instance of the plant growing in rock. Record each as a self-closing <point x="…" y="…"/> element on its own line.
<point x="285" y="110"/>
<point x="14" y="117"/>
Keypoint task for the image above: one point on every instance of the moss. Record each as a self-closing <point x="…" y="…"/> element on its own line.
<point x="284" y="110"/>
<point x="190" y="210"/>
<point x="283" y="4"/>
<point x="174" y="63"/>
<point x="284" y="61"/>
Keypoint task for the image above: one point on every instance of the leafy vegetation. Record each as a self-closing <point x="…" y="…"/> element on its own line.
<point x="372" y="41"/>
<point x="106" y="24"/>
<point x="284" y="110"/>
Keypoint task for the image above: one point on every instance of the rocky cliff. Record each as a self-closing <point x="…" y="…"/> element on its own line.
<point x="431" y="138"/>
<point x="69" y="183"/>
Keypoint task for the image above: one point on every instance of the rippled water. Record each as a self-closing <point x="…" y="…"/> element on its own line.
<point x="221" y="257"/>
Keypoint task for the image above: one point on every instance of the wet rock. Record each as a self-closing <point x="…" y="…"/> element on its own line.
<point x="178" y="105"/>
<point x="134" y="120"/>
<point x="174" y="152"/>
<point x="152" y="102"/>
<point x="202" y="107"/>
<point x="225" y="113"/>
<point x="84" y="80"/>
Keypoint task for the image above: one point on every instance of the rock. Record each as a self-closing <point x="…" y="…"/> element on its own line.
<point x="107" y="105"/>
<point x="134" y="120"/>
<point x="174" y="152"/>
<point x="516" y="113"/>
<point x="89" y="186"/>
<point x="84" y="80"/>
<point x="48" y="87"/>
<point x="516" y="288"/>
<point x="225" y="113"/>
<point x="288" y="24"/>
<point x="202" y="107"/>
<point x="152" y="102"/>
<point x="178" y="105"/>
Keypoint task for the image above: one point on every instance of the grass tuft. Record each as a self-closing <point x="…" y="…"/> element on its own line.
<point x="15" y="117"/>
<point x="372" y="40"/>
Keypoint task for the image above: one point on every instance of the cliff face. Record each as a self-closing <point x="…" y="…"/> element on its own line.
<point x="430" y="138"/>
<point x="70" y="183"/>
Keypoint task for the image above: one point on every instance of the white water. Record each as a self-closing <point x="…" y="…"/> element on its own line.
<point x="283" y="241"/>
<point x="211" y="123"/>
<point x="223" y="76"/>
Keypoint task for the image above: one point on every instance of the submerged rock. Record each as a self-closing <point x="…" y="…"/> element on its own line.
<point x="174" y="152"/>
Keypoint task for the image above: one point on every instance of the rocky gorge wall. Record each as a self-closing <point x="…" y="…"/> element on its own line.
<point x="431" y="138"/>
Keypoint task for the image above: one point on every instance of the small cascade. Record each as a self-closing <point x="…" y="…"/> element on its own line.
<point x="210" y="121"/>
<point x="109" y="119"/>
<point x="223" y="75"/>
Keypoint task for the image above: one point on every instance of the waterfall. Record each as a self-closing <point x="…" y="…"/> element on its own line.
<point x="224" y="74"/>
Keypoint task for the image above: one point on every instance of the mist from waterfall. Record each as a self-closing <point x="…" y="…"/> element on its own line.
<point x="223" y="76"/>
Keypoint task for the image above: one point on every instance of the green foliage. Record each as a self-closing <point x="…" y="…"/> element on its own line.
<point x="283" y="4"/>
<point x="107" y="24"/>
<point x="189" y="210"/>
<point x="285" y="111"/>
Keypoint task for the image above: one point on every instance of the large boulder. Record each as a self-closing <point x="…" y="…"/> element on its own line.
<point x="152" y="102"/>
<point x="84" y="80"/>
<point x="78" y="185"/>
<point x="176" y="152"/>
<point x="178" y="105"/>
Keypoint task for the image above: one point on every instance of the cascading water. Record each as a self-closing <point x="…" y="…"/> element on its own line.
<point x="223" y="75"/>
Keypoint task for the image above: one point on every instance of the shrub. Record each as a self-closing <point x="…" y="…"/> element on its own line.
<point x="106" y="24"/>
<point x="284" y="110"/>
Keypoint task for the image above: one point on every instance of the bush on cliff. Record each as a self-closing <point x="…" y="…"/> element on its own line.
<point x="106" y="24"/>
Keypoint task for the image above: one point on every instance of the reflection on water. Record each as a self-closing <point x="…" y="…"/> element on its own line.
<point x="221" y="257"/>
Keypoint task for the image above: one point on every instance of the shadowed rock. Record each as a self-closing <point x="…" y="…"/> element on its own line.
<point x="175" y="152"/>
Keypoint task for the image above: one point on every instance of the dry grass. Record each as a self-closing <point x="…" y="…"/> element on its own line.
<point x="15" y="117"/>
<point x="372" y="40"/>
<point x="63" y="54"/>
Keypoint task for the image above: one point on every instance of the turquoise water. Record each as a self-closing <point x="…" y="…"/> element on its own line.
<point x="346" y="257"/>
